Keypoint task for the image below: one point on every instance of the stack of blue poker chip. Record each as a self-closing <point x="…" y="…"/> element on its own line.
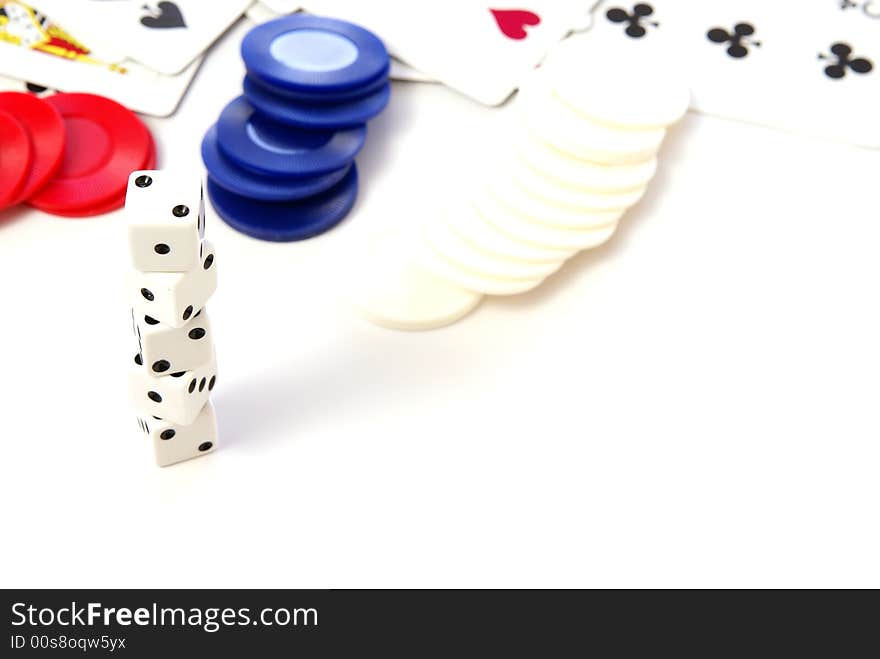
<point x="316" y="72"/>
<point x="280" y="159"/>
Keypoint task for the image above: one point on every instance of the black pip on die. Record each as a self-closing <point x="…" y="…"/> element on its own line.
<point x="167" y="349"/>
<point x="165" y="212"/>
<point x="178" y="397"/>
<point x="174" y="298"/>
<point x="173" y="275"/>
<point x="175" y="443"/>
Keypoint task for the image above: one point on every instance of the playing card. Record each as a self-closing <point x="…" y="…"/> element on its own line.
<point x="260" y="12"/>
<point x="162" y="35"/>
<point x="15" y="85"/>
<point x="481" y="49"/>
<point x="403" y="71"/>
<point x="281" y="6"/>
<point x="33" y="47"/>
<point x="806" y="67"/>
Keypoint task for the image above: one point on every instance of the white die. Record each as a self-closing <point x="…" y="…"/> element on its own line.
<point x="173" y="298"/>
<point x="175" y="443"/>
<point x="165" y="349"/>
<point x="165" y="214"/>
<point x="177" y="398"/>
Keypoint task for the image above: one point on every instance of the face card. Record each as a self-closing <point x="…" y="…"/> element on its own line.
<point x="805" y="67"/>
<point x="162" y="35"/>
<point x="15" y="85"/>
<point x="33" y="47"/>
<point x="481" y="49"/>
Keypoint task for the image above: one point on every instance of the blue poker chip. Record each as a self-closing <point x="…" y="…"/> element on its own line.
<point x="312" y="53"/>
<point x="247" y="184"/>
<point x="285" y="221"/>
<point x="313" y="115"/>
<point x="320" y="97"/>
<point x="256" y="143"/>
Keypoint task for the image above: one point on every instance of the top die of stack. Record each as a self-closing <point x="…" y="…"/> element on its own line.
<point x="166" y="221"/>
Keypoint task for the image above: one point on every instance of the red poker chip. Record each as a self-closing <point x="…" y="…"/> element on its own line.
<point x="16" y="155"/>
<point x="46" y="131"/>
<point x="118" y="202"/>
<point x="105" y="142"/>
<point x="107" y="207"/>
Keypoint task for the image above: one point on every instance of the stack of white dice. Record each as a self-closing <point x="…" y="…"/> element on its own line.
<point x="174" y="274"/>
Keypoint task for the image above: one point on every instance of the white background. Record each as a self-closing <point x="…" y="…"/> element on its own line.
<point x="693" y="404"/>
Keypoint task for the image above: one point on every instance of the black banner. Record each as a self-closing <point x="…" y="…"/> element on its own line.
<point x="271" y="623"/>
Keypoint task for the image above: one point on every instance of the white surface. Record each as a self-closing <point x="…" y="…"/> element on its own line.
<point x="692" y="404"/>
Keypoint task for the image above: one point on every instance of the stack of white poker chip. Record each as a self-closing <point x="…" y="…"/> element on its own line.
<point x="584" y="145"/>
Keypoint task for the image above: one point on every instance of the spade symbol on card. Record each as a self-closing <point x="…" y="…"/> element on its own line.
<point x="513" y="22"/>
<point x="165" y="15"/>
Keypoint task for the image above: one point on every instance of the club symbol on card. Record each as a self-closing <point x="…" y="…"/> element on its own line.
<point x="165" y="15"/>
<point x="841" y="54"/>
<point x="738" y="39"/>
<point x="513" y="22"/>
<point x="635" y="20"/>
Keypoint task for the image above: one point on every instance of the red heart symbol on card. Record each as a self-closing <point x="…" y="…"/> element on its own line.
<point x="513" y="22"/>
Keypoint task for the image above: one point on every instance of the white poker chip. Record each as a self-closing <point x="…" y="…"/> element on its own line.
<point x="562" y="127"/>
<point x="475" y="227"/>
<point x="438" y="265"/>
<point x="538" y="185"/>
<point x="522" y="228"/>
<point x="462" y="252"/>
<point x="617" y="91"/>
<point x="548" y="212"/>
<point x="391" y="289"/>
<point x="581" y="174"/>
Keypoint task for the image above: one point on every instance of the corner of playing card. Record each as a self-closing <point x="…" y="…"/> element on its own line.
<point x="36" y="48"/>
